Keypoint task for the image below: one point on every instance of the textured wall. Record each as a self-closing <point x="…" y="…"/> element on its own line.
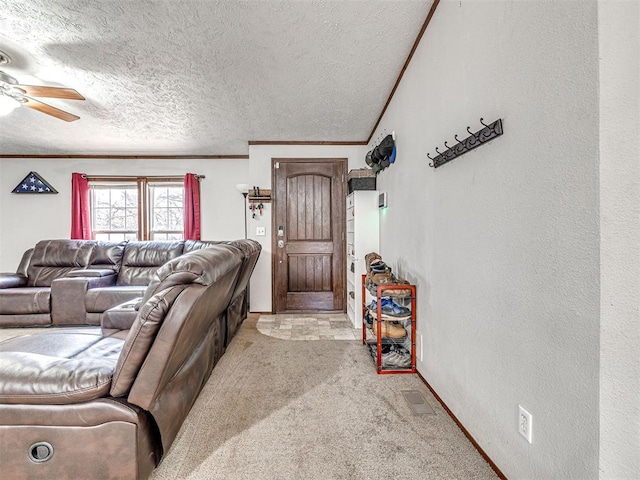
<point x="503" y="242"/>
<point x="619" y="27"/>
<point x="25" y="219"/>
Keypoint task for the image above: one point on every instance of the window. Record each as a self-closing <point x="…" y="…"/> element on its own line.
<point x="114" y="211"/>
<point x="166" y="211"/>
<point x="137" y="208"/>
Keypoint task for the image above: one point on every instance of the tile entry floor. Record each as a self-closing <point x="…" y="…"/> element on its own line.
<point x="313" y="326"/>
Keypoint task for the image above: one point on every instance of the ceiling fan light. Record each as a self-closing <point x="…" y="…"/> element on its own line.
<point x="7" y="105"/>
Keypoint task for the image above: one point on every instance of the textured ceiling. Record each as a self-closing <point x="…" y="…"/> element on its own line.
<point x="203" y="77"/>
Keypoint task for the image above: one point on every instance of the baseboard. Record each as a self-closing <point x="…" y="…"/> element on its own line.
<point x="464" y="430"/>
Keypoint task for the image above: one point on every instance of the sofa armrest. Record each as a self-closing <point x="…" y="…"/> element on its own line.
<point x="12" y="280"/>
<point x="67" y="298"/>
<point x="122" y="316"/>
<point x="92" y="273"/>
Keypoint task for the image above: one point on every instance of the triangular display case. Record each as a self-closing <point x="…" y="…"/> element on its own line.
<point x="34" y="183"/>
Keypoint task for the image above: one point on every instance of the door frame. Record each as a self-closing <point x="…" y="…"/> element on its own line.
<point x="344" y="162"/>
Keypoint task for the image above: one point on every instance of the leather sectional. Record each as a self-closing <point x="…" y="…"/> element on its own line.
<point x="107" y="402"/>
<point x="73" y="282"/>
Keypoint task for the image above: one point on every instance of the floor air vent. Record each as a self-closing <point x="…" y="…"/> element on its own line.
<point x="417" y="403"/>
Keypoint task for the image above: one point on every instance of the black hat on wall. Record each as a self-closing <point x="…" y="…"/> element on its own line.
<point x="380" y="157"/>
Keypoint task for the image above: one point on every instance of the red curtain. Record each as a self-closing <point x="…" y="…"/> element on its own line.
<point x="191" y="207"/>
<point x="80" y="214"/>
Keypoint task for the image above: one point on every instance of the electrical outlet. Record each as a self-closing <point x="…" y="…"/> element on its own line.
<point x="261" y="231"/>
<point x="525" y="423"/>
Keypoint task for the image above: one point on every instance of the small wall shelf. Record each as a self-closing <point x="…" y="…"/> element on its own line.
<point x="259" y="195"/>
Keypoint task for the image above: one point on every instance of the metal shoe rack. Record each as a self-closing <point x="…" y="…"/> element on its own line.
<point x="374" y="340"/>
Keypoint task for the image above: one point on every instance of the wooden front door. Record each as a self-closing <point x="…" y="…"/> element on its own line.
<point x="308" y="234"/>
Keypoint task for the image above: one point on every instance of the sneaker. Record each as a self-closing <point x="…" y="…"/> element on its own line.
<point x="370" y="258"/>
<point x="392" y="356"/>
<point x="389" y="279"/>
<point x="389" y="329"/>
<point x="397" y="356"/>
<point x="368" y="319"/>
<point x="390" y="310"/>
<point x="378" y="266"/>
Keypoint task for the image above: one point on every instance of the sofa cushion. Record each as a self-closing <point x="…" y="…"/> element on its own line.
<point x="25" y="300"/>
<point x="22" y="320"/>
<point x="24" y="263"/>
<point x="251" y="250"/>
<point x="12" y="280"/>
<point x="58" y="367"/>
<point x="191" y="245"/>
<point x="53" y="259"/>
<point x="120" y="317"/>
<point x="142" y="259"/>
<point x="98" y="300"/>
<point x="106" y="255"/>
<point x="140" y="337"/>
<point x="191" y="267"/>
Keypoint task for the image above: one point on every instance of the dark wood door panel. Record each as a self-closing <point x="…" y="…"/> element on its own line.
<point x="309" y="211"/>
<point x="310" y="247"/>
<point x="310" y="273"/>
<point x="305" y="301"/>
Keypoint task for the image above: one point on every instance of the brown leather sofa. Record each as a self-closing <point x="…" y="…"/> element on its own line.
<point x="73" y="282"/>
<point x="107" y="402"/>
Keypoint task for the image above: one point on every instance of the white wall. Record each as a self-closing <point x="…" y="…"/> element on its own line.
<point x="503" y="242"/>
<point x="26" y="219"/>
<point x="619" y="34"/>
<point x="260" y="175"/>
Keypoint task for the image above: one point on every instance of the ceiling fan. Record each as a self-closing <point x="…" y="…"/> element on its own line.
<point x="14" y="94"/>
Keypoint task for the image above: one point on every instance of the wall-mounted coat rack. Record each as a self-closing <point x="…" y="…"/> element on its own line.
<point x="257" y="198"/>
<point x="256" y="194"/>
<point x="489" y="132"/>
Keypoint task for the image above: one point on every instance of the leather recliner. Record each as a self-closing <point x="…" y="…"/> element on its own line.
<point x="108" y="403"/>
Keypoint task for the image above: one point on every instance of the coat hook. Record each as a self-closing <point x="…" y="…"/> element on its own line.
<point x="469" y="130"/>
<point x="457" y="139"/>
<point x="438" y="151"/>
<point x="481" y="121"/>
<point x="431" y="164"/>
<point x="446" y="145"/>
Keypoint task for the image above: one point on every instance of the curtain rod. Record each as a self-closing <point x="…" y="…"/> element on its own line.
<point x="84" y="175"/>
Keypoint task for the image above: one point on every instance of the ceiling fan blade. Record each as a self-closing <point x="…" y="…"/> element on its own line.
<point x="50" y="92"/>
<point x="49" y="110"/>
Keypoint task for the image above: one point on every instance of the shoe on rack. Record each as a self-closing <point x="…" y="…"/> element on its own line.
<point x="378" y="266"/>
<point x="392" y="356"/>
<point x="397" y="356"/>
<point x="389" y="329"/>
<point x="390" y="310"/>
<point x="389" y="280"/>
<point x="370" y="258"/>
<point x="368" y="319"/>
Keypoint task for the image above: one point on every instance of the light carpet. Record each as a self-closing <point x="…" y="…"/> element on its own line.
<point x="278" y="409"/>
